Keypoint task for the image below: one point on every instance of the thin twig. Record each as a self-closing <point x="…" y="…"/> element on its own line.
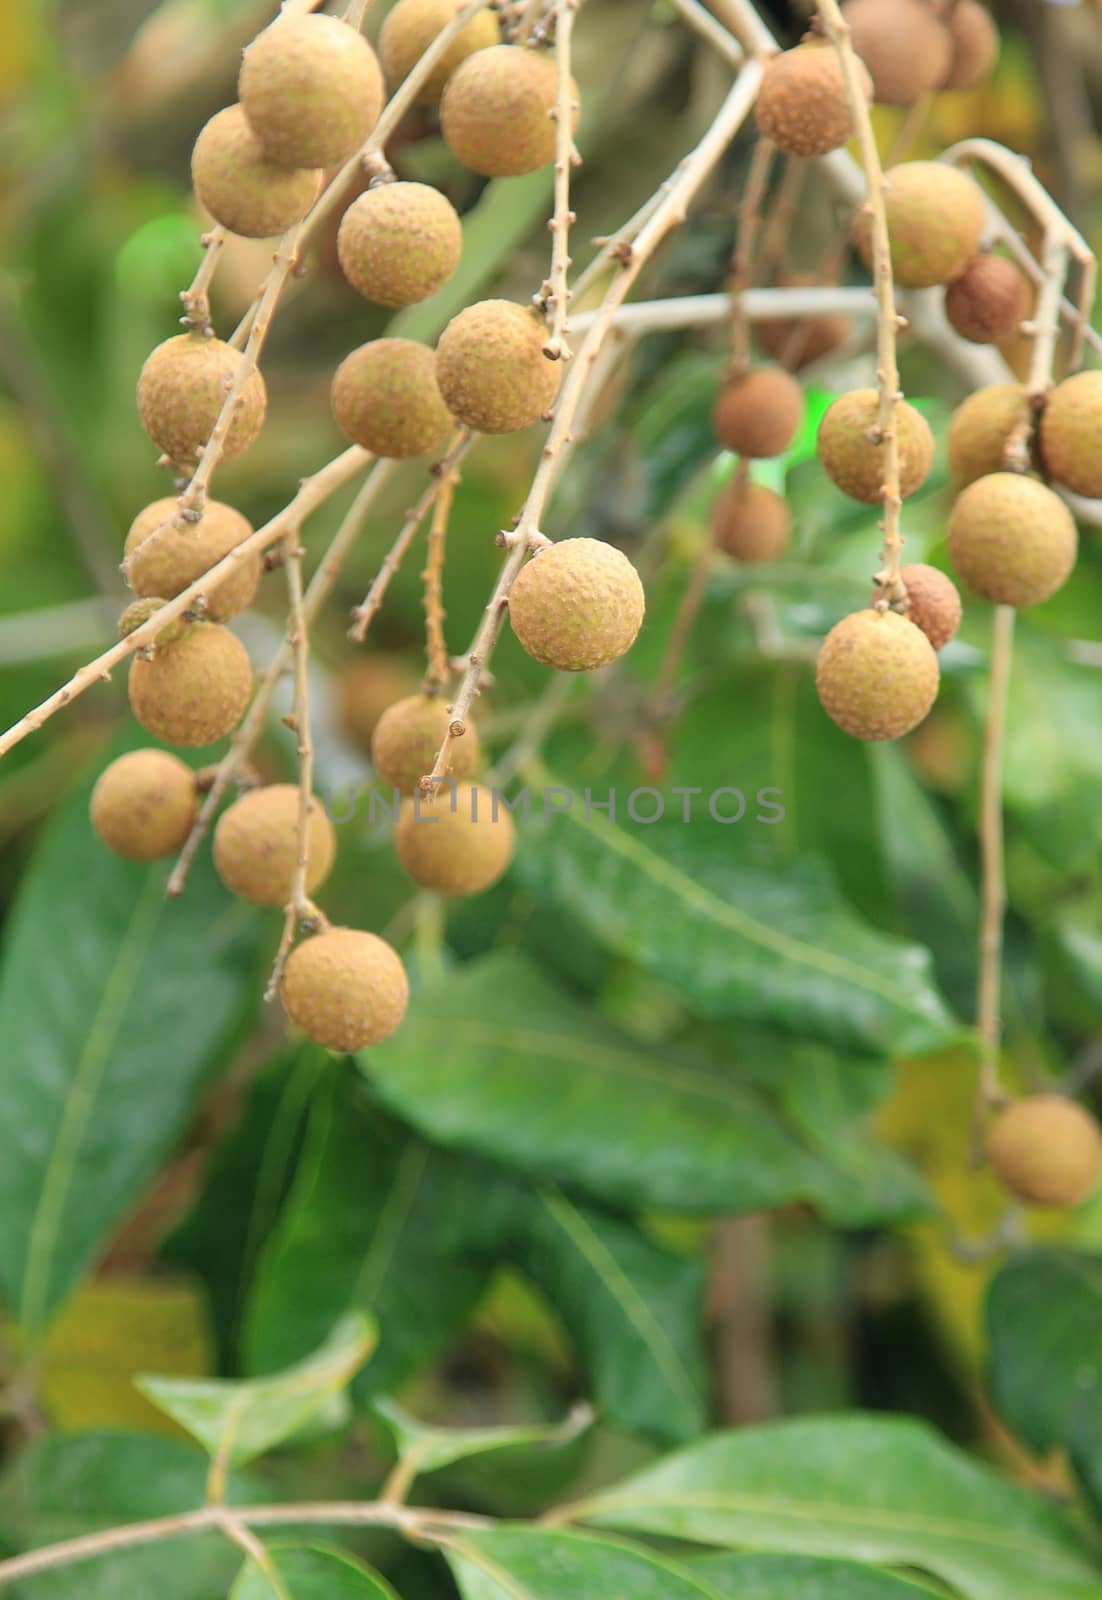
<point x="701" y="21"/>
<point x="555" y="293"/>
<point x="247" y="1541"/>
<point x="992" y="869"/>
<point x="436" y="649"/>
<point x="749" y="221"/>
<point x="196" y="298"/>
<point x="910" y="128"/>
<point x="774" y="240"/>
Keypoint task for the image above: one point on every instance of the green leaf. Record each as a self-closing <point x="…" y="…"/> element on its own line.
<point x="115" y="1006"/>
<point x="549" y="1564"/>
<point x="310" y="1572"/>
<point x="768" y="1577"/>
<point x="777" y="946"/>
<point x="873" y="1489"/>
<point x="425" y="1448"/>
<point x="633" y="1126"/>
<point x="236" y="1420"/>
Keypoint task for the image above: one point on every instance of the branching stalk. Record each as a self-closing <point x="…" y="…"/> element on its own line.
<point x="556" y="290"/>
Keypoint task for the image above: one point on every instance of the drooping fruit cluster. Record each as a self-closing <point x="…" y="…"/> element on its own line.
<point x="491" y="369"/>
<point x="1012" y="540"/>
<point x="797" y="342"/>
<point x="256" y="845"/>
<point x="163" y="558"/>
<point x="933" y="602"/>
<point x="345" y="988"/>
<point x="497" y="112"/>
<point x="312" y="90"/>
<point x="988" y="301"/>
<point x="980" y="430"/>
<point x="876" y="674"/>
<point x="577" y="605"/>
<point x="851" y="449"/>
<point x="143" y="805"/>
<point x="1046" y="1151"/>
<point x="407" y="737"/>
<point x="1071" y="433"/>
<point x="194" y="688"/>
<point x="399" y="243"/>
<point x="386" y="398"/>
<point x="749" y="521"/>
<point x="240" y="187"/>
<point x="756" y="413"/>
<point x="801" y="103"/>
<point x="459" y="843"/>
<point x="935" y="222"/>
<point x="912" y="47"/>
<point x="181" y="391"/>
<point x="411" y="26"/>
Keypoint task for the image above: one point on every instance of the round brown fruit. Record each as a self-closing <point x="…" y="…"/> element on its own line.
<point x="1012" y="540"/>
<point x="194" y="690"/>
<point x="1071" y="434"/>
<point x="1046" y="1151"/>
<point x="144" y="804"/>
<point x="312" y="90"/>
<point x="412" y="25"/>
<point x="345" y="989"/>
<point x="408" y="736"/>
<point x="877" y="675"/>
<point x="933" y="602"/>
<point x="980" y="429"/>
<point x="256" y="845"/>
<point x="855" y="462"/>
<point x="988" y="301"/>
<point x="240" y="188"/>
<point x="496" y="111"/>
<point x="975" y="41"/>
<point x="181" y="390"/>
<point x="460" y="843"/>
<point x="750" y="522"/>
<point x="167" y="562"/>
<point x="577" y="605"/>
<point x="756" y="415"/>
<point x="399" y="243"/>
<point x="935" y="220"/>
<point x="366" y="687"/>
<point x="491" y="368"/>
<point x="904" y="46"/>
<point x="796" y="342"/>
<point x="801" y="103"/>
<point x="385" y="397"/>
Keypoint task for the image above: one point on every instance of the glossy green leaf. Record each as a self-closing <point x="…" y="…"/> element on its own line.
<point x="309" y="1572"/>
<point x="237" y="1419"/>
<point x="883" y="1490"/>
<point x="424" y="1448"/>
<point x="768" y="1577"/>
<point x="509" y="1563"/>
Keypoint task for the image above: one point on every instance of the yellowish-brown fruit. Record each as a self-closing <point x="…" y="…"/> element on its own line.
<point x="367" y="686"/>
<point x="256" y="845"/>
<point x="943" y="750"/>
<point x="399" y="243"/>
<point x="980" y="429"/>
<point x="796" y="342"/>
<point x="165" y="563"/>
<point x="1046" y="1151"/>
<point x="1071" y="433"/>
<point x="877" y="675"/>
<point x="385" y="397"/>
<point x="1012" y="540"/>
<point x="194" y="690"/>
<point x="240" y="188"/>
<point x="312" y="90"/>
<point x="577" y="605"/>
<point x="904" y="45"/>
<point x="750" y="522"/>
<point x="460" y="843"/>
<point x="496" y="111"/>
<point x="935" y="220"/>
<point x="801" y="103"/>
<point x="852" y="459"/>
<point x="408" y="736"/>
<point x="181" y="390"/>
<point x="345" y="989"/>
<point x="975" y="41"/>
<point x="491" y="368"/>
<point x="144" y="803"/>
<point x="933" y="602"/>
<point x="988" y="301"/>
<point x="139" y="612"/>
<point x="756" y="415"/>
<point x="412" y="25"/>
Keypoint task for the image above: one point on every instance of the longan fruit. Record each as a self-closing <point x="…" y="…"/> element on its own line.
<point x="240" y="188"/>
<point x="797" y="342"/>
<point x="980" y="429"/>
<point x="855" y="462"/>
<point x="750" y="522"/>
<point x="1046" y="1151"/>
<point x="577" y="605"/>
<point x="933" y="602"/>
<point x="906" y="48"/>
<point x="975" y="41"/>
<point x="386" y="398"/>
<point x="144" y="804"/>
<point x="496" y="111"/>
<point x="345" y="989"/>
<point x="312" y="90"/>
<point x="1012" y="540"/>
<point x="408" y="736"/>
<point x="181" y="391"/>
<point x="801" y="102"/>
<point x="194" y="690"/>
<point x="935" y="221"/>
<point x="1071" y="433"/>
<point x="171" y="561"/>
<point x="757" y="414"/>
<point x="459" y="843"/>
<point x="988" y="301"/>
<point x="876" y="675"/>
<point x="367" y="686"/>
<point x="256" y="845"/>
<point x="399" y="243"/>
<point x="491" y="368"/>
<point x="412" y="25"/>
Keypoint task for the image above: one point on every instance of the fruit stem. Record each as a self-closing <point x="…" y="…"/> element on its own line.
<point x="774" y="243"/>
<point x="196" y="297"/>
<point x="749" y="221"/>
<point x="436" y="649"/>
<point x="556" y="291"/>
<point x="992" y="866"/>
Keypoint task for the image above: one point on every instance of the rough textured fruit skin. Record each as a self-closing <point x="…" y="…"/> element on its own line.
<point x="256" y="845"/>
<point x="412" y="25"/>
<point x="399" y="243"/>
<point x="757" y="415"/>
<point x="196" y="689"/>
<point x="345" y="989"/>
<point x="979" y="429"/>
<point x="798" y="341"/>
<point x="750" y="522"/>
<point x="935" y="220"/>
<point x="1011" y="540"/>
<point x="1046" y="1150"/>
<point x="240" y="188"/>
<point x="407" y="737"/>
<point x="577" y="605"/>
<point x="143" y="804"/>
<point x="904" y="46"/>
<point x="1071" y="433"/>
<point x="975" y="42"/>
<point x="138" y="613"/>
<point x="367" y="686"/>
<point x="496" y="111"/>
<point x="312" y="90"/>
<point x="177" y="556"/>
<point x="181" y="389"/>
<point x="801" y="103"/>
<point x="385" y="397"/>
<point x="458" y="845"/>
<point x="491" y="368"/>
<point x="933" y="602"/>
<point x="988" y="301"/>
<point x="877" y="675"/>
<point x="855" y="463"/>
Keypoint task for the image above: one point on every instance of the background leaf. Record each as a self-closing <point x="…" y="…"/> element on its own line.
<point x="541" y="1564"/>
<point x="311" y="1572"/>
<point x="757" y="1577"/>
<point x="425" y="1448"/>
